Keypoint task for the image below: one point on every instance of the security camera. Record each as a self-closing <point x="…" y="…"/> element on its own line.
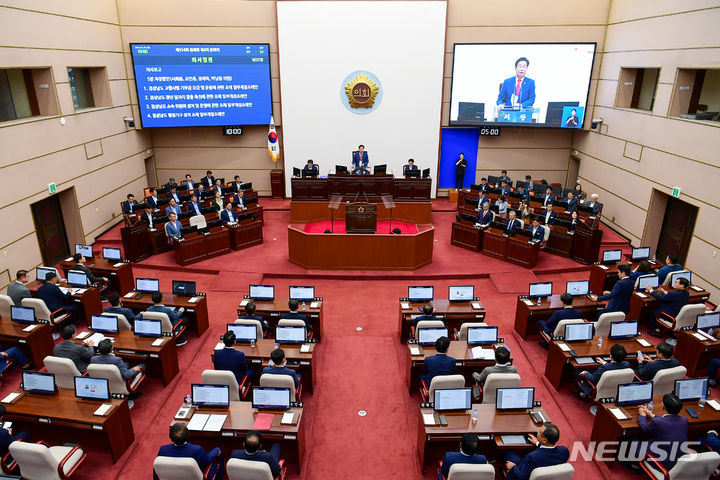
<point x="131" y="122"/>
<point x="596" y="123"/>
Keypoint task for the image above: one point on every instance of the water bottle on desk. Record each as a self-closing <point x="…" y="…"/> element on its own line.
<point x="304" y="306"/>
<point x="650" y="407"/>
<point x="474" y="416"/>
<point x="188" y="401"/>
<point x="600" y="341"/>
<point x="701" y="402"/>
<point x="252" y="343"/>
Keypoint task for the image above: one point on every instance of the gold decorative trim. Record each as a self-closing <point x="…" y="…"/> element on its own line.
<point x="361" y="91"/>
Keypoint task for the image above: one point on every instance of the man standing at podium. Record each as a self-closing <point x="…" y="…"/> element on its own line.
<point x="360" y="157"/>
<point x="518" y="90"/>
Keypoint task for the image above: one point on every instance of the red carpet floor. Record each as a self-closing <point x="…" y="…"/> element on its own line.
<point x="382" y="227"/>
<point x="359" y="370"/>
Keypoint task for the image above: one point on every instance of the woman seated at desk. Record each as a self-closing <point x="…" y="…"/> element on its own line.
<point x="502" y="205"/>
<point x="574" y="220"/>
<point x="525" y="209"/>
<point x="217" y="203"/>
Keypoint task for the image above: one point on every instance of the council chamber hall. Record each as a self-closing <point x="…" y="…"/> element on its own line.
<point x="359" y="239"/>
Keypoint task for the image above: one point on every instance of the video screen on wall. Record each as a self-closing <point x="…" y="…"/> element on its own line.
<point x="202" y="85"/>
<point x="521" y="84"/>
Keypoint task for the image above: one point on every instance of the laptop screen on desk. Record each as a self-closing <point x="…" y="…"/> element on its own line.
<point x="77" y="279"/>
<point x="612" y="256"/>
<point x="645" y="281"/>
<point x="302" y="293"/>
<point x="104" y="323"/>
<point x="204" y="395"/>
<point x="86" y="250"/>
<point x="578" y="332"/>
<point x="634" y="393"/>
<point x="243" y="333"/>
<point x="182" y="288"/>
<point x="640" y="254"/>
<point x="543" y="289"/>
<point x="581" y="287"/>
<point x="262" y="292"/>
<point x="420" y="294"/>
<point x="447" y="399"/>
<point x="708" y="320"/>
<point x="146" y="327"/>
<point x="112" y="254"/>
<point x="92" y="388"/>
<point x="691" y="388"/>
<point x="147" y="285"/>
<point x="41" y="273"/>
<point x="271" y="398"/>
<point x="428" y="336"/>
<point x="675" y="275"/>
<point x="521" y="398"/>
<point x="628" y="329"/>
<point x="22" y="314"/>
<point x="461" y="293"/>
<point x="38" y="382"/>
<point x="482" y="335"/>
<point x="290" y="334"/>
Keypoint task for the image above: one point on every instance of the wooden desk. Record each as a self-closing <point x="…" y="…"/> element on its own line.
<point x="272" y="310"/>
<point x="465" y="364"/>
<point x="695" y="354"/>
<point x="607" y="428"/>
<point x="527" y="316"/>
<point x="434" y="440"/>
<point x="603" y="277"/>
<point x="348" y="186"/>
<point x="453" y="314"/>
<point x="120" y="278"/>
<point x="35" y="344"/>
<point x="246" y="234"/>
<point x="642" y="304"/>
<point x="465" y="235"/>
<point x="62" y="417"/>
<point x="196" y="313"/>
<point x="89" y="300"/>
<point x="160" y="361"/>
<point x="516" y="250"/>
<point x="258" y="357"/>
<point x="560" y="364"/>
<point x="197" y="247"/>
<point x="240" y="419"/>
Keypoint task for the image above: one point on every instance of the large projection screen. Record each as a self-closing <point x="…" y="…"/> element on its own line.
<point x="321" y="42"/>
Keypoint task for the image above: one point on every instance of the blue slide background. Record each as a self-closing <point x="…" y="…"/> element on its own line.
<point x="454" y="141"/>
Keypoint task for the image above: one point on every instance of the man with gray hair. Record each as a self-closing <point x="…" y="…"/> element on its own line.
<point x="596" y="206"/>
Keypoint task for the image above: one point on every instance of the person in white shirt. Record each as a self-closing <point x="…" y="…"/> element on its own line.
<point x="502" y="205"/>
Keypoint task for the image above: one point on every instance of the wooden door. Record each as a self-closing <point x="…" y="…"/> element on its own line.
<point x="50" y="230"/>
<point x="677" y="229"/>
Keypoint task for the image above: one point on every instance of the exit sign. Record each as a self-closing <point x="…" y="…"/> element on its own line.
<point x="52" y="188"/>
<point x="676" y="192"/>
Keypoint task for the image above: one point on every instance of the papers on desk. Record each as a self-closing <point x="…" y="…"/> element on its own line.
<point x="527" y="302"/>
<point x="482" y="353"/>
<point x="305" y="348"/>
<point x="288" y="418"/>
<point x="10" y="398"/>
<point x="129" y="295"/>
<point x="30" y="328"/>
<point x="414" y="350"/>
<point x="158" y="342"/>
<point x="476" y="305"/>
<point x="428" y="418"/>
<point x="618" y="414"/>
<point x="219" y="346"/>
<point x="118" y="265"/>
<point x="314" y="304"/>
<point x="69" y="259"/>
<point x="643" y="342"/>
<point x="83" y="334"/>
<point x="640" y="294"/>
<point x="244" y="302"/>
<point x="95" y="338"/>
<point x="699" y="336"/>
<point x="194" y="300"/>
<point x="564" y="347"/>
<point x="696" y="288"/>
<point x="263" y="421"/>
<point x="405" y="305"/>
<point x="79" y="291"/>
<point x="714" y="404"/>
<point x="203" y="422"/>
<point x="603" y="267"/>
<point x="103" y="409"/>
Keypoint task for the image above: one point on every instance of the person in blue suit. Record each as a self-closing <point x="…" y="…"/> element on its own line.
<point x="550" y="215"/>
<point x="427" y="310"/>
<point x="467" y="454"/>
<point x="194" y="206"/>
<point x="519" y="89"/>
<point x="130" y="204"/>
<point x="293" y="305"/>
<point x="208" y="180"/>
<point x="181" y="448"/>
<point x="173" y="227"/>
<point x="618" y="354"/>
<point x="484" y="186"/>
<point x="672" y="264"/>
<point x="174" y="316"/>
<point x="537" y="231"/>
<point x="360" y="157"/>
<point x="6" y="435"/>
<point x="711" y="440"/>
<point x="106" y="357"/>
<point x="565" y="313"/>
<point x="228" y="216"/>
<point x="172" y="208"/>
<point x="504" y="189"/>
<point x="253" y="441"/>
<point x="596" y="206"/>
<point x="649" y="367"/>
<point x="173" y="194"/>
<point x="619" y="298"/>
<point x="277" y="366"/>
<point x="712" y="371"/>
<point x="670" y="303"/>
<point x="572" y="202"/>
<point x="440" y="363"/>
<point x="148" y="216"/>
<point x="503" y="178"/>
<point x="528" y="190"/>
<point x="230" y="359"/>
<point x="410" y="165"/>
<point x="482" y="199"/>
<point x="548" y="198"/>
<point x="239" y="200"/>
<point x="115" y="307"/>
<point x="188" y="182"/>
<point x="250" y="315"/>
<point x="668" y="431"/>
<point x="153" y="199"/>
<point x="546" y="454"/>
<point x="54" y="298"/>
<point x="512" y="223"/>
<point x="310" y="166"/>
<point x="485" y="216"/>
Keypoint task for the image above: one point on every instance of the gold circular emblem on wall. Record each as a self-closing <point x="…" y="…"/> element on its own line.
<point x="361" y="91"/>
<point x="361" y="209"/>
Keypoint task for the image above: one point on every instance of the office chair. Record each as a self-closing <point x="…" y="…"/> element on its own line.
<point x="602" y="327"/>
<point x="198" y="220"/>
<point x="466" y="471"/>
<point x="498" y="380"/>
<point x="666" y="282"/>
<point x="123" y="323"/>
<point x="607" y="385"/>
<point x="117" y="385"/>
<point x="247" y="321"/>
<point x="462" y="334"/>
<point x="40" y="461"/>
<point x="690" y="465"/>
<point x="42" y="312"/>
<point x="282" y="381"/>
<point x="427" y="394"/>
<point x="237" y="469"/>
<point x="167" y="326"/>
<point x="5" y="304"/>
<point x="686" y="318"/>
<point x="664" y="380"/>
<point x="64" y="370"/>
<point x="564" y="471"/>
<point x="560" y="328"/>
<point x="226" y="377"/>
<point x="184" y="468"/>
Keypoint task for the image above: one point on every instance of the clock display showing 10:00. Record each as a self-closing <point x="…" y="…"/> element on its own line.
<point x="490" y="132"/>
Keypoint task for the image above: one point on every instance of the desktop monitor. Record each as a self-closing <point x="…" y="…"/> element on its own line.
<point x="634" y="393"/>
<point x="708" y="320"/>
<point x="449" y="399"/>
<point x="340" y="169"/>
<point x="611" y="256"/>
<point x="86" y="250"/>
<point x="420" y="294"/>
<point x="22" y="314"/>
<point x="112" y="254"/>
<point x="262" y="292"/>
<point x="520" y="398"/>
<point x="377" y="169"/>
<point x="580" y="287"/>
<point x="309" y="173"/>
<point x="554" y="115"/>
<point x="625" y="329"/>
<point x="243" y="333"/>
<point x="428" y="336"/>
<point x="639" y="254"/>
<point x="691" y="388"/>
<point x="579" y="332"/>
<point x="77" y="279"/>
<point x="412" y="173"/>
<point x="289" y="334"/>
<point x="471" y="112"/>
<point x="271" y="398"/>
<point x="147" y="285"/>
<point x="90" y="388"/>
<point x="482" y="335"/>
<point x="146" y="327"/>
<point x="104" y="323"/>
<point x="38" y="382"/>
<point x="543" y="289"/>
<point x="680" y="274"/>
<point x="296" y="172"/>
<point x="645" y="281"/>
<point x="461" y="293"/>
<point x="426" y="173"/>
<point x="183" y="288"/>
<point x="301" y="293"/>
<point x="41" y="273"/>
<point x="205" y="395"/>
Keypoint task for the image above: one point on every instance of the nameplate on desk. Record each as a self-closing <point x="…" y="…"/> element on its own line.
<point x="11" y="397"/>
<point x="194" y="300"/>
<point x="696" y="288"/>
<point x="414" y="350"/>
<point x="476" y="305"/>
<point x="305" y="348"/>
<point x="118" y="265"/>
<point x="288" y="418"/>
<point x="640" y="294"/>
<point x="564" y="347"/>
<point x="527" y="302"/>
<point x="158" y="342"/>
<point x="244" y="302"/>
<point x="190" y="310"/>
<point x="219" y="346"/>
<point x="405" y="305"/>
<point x="30" y="328"/>
<point x="619" y="414"/>
<point x="428" y="418"/>
<point x="643" y="342"/>
<point x="714" y="404"/>
<point x="129" y="295"/>
<point x="314" y="304"/>
<point x="102" y="410"/>
<point x="82" y="335"/>
<point x="603" y="267"/>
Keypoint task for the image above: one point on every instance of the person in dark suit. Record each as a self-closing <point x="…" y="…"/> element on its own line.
<point x="565" y="313"/>
<point x="711" y="440"/>
<point x="174" y="316"/>
<point x="410" y="165"/>
<point x="173" y="228"/>
<point x="79" y="260"/>
<point x="649" y="367"/>
<point x="672" y="264"/>
<point x="619" y="298"/>
<point x="194" y="206"/>
<point x="618" y="354"/>
<point x="572" y="202"/>
<point x="181" y="448"/>
<point x="79" y="354"/>
<point x="236" y="184"/>
<point x="668" y="431"/>
<point x="579" y="194"/>
<point x="53" y="297"/>
<point x="116" y="307"/>
<point x="504" y="189"/>
<point x="200" y="191"/>
<point x="250" y="315"/>
<point x="253" y="441"/>
<point x="549" y="197"/>
<point x="188" y="182"/>
<point x="550" y="215"/>
<point x="173" y="208"/>
<point x="574" y="220"/>
<point x="153" y="199"/>
<point x="712" y="370"/>
<point x="6" y="435"/>
<point x="130" y="204"/>
<point x="546" y="454"/>
<point x="208" y="180"/>
<point x="484" y="186"/>
<point x="482" y="199"/>
<point x="17" y="289"/>
<point x="14" y="354"/>
<point x="527" y="190"/>
<point x="502" y="365"/>
<point x="106" y="357"/>
<point x="310" y="166"/>
<point x="440" y="363"/>
<point x="503" y="178"/>
<point x="293" y="305"/>
<point x="572" y="121"/>
<point x="427" y="310"/>
<point x="239" y="200"/>
<point x="512" y="223"/>
<point x="460" y="166"/>
<point x="218" y="186"/>
<point x="360" y="157"/>
<point x="518" y="90"/>
<point x="485" y="216"/>
<point x="277" y="366"/>
<point x="537" y="232"/>
<point x="467" y="454"/>
<point x="148" y="216"/>
<point x="596" y="206"/>
<point x="230" y="359"/>
<point x="172" y="194"/>
<point x="361" y="170"/>
<point x="228" y="215"/>
<point x="670" y="303"/>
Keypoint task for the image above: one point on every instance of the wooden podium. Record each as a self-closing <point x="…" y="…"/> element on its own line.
<point x="136" y="242"/>
<point x="361" y="217"/>
<point x="586" y="247"/>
